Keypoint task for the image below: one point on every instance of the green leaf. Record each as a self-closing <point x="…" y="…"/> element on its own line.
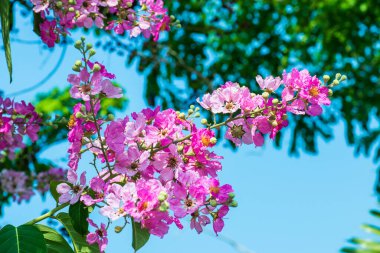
<point x="140" y="236"/>
<point x="22" y="239"/>
<point x="53" y="190"/>
<point x="79" y="214"/>
<point x="79" y="242"/>
<point x="37" y="20"/>
<point x="55" y="243"/>
<point x="5" y="13"/>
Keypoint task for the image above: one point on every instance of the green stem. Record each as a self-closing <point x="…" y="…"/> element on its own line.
<point x="47" y="215"/>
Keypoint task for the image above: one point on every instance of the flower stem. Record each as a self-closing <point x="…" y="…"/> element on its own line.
<point x="47" y="215"/>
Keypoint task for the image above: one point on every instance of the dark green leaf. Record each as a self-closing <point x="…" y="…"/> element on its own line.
<point x="79" y="214"/>
<point x="22" y="239"/>
<point x="55" y="243"/>
<point x="5" y="28"/>
<point x="53" y="190"/>
<point x="79" y="241"/>
<point x="37" y="20"/>
<point x="140" y="236"/>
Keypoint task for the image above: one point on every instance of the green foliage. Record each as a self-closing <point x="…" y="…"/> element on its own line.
<point x="79" y="214"/>
<point x="22" y="239"/>
<point x="140" y="236"/>
<point x="55" y="243"/>
<point x="5" y="17"/>
<point x="366" y="245"/>
<point x="79" y="241"/>
<point x="53" y="190"/>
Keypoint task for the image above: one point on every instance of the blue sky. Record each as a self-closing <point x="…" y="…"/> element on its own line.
<point x="310" y="204"/>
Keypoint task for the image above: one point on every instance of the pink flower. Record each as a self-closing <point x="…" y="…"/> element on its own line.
<point x="99" y="236"/>
<point x="218" y="222"/>
<point x="132" y="161"/>
<point x="71" y="193"/>
<point x="48" y="33"/>
<point x="198" y="221"/>
<point x="269" y="83"/>
<point x="219" y="193"/>
<point x="100" y="189"/>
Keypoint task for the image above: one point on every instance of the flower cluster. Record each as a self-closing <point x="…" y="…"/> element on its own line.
<point x="20" y="185"/>
<point x="156" y="166"/>
<point x="146" y="17"/>
<point x="17" y="119"/>
<point x="250" y="115"/>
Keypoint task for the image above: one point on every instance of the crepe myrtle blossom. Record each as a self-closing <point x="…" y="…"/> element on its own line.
<point x="17" y="119"/>
<point x="99" y="236"/>
<point x="148" y="18"/>
<point x="158" y="166"/>
<point x="71" y="191"/>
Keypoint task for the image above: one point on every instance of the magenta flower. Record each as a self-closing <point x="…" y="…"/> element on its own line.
<point x="132" y="161"/>
<point x="218" y="222"/>
<point x="48" y="33"/>
<point x="198" y="221"/>
<point x="219" y="193"/>
<point x="71" y="193"/>
<point x="99" y="236"/>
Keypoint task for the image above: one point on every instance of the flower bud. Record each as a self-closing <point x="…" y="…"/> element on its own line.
<point x="197" y="115"/>
<point x="96" y="67"/>
<point x="265" y="95"/>
<point x="164" y="206"/>
<point x="190" y="111"/>
<point x="78" y="63"/>
<point x="231" y="195"/>
<point x="111" y="117"/>
<point x="118" y="229"/>
<point x="326" y="78"/>
<point x="172" y="17"/>
<point x="197" y="109"/>
<point x="178" y="26"/>
<point x="344" y="78"/>
<point x="76" y="68"/>
<point x="284" y="117"/>
<point x="234" y="203"/>
<point x="72" y="2"/>
<point x="144" y="7"/>
<point x="192" y="107"/>
<point x="78" y="44"/>
<point x="253" y="95"/>
<point x="275" y="101"/>
<point x="129" y="4"/>
<point x="162" y="196"/>
<point x="213" y="203"/>
<point x="274" y="123"/>
<point x="330" y="92"/>
<point x="79" y="115"/>
<point x="83" y="38"/>
<point x="180" y="148"/>
<point x="213" y="140"/>
<point x="204" y="121"/>
<point x="338" y="75"/>
<point x="58" y="4"/>
<point x="89" y="46"/>
<point x="71" y="9"/>
<point x="182" y="115"/>
<point x="335" y="83"/>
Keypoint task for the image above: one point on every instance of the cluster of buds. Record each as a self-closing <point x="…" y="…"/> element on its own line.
<point x="137" y="17"/>
<point x="156" y="166"/>
<point x="17" y="119"/>
<point x="20" y="185"/>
